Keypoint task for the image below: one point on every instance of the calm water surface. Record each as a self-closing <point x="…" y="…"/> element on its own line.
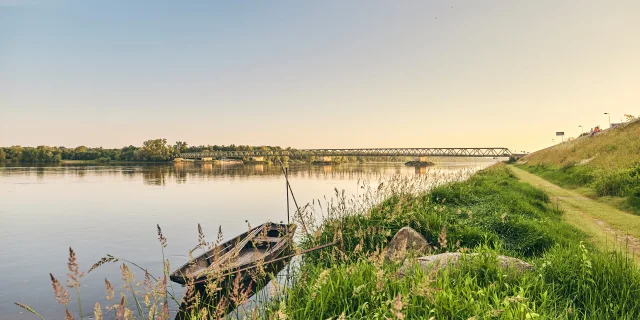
<point x="115" y="209"/>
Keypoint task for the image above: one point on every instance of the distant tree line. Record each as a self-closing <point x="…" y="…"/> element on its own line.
<point x="156" y="150"/>
<point x="151" y="150"/>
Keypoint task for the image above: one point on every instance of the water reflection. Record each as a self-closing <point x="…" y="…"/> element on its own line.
<point x="115" y="208"/>
<point x="184" y="172"/>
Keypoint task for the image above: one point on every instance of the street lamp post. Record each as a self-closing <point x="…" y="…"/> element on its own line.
<point x="582" y="129"/>
<point x="607" y="113"/>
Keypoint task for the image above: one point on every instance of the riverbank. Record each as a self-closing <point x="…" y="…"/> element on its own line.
<point x="605" y="225"/>
<point x="491" y="213"/>
<point x="605" y="167"/>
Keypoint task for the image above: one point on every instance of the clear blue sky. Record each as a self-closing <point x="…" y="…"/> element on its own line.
<point x="315" y="74"/>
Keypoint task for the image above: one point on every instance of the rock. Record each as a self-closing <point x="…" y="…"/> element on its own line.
<point x="405" y="240"/>
<point x="441" y="261"/>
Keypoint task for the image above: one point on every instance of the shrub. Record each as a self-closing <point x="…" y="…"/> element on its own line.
<point x="620" y="183"/>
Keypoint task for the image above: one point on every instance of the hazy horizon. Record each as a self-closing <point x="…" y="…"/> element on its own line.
<point x="331" y="74"/>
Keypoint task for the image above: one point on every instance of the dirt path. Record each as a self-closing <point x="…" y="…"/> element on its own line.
<point x="606" y="225"/>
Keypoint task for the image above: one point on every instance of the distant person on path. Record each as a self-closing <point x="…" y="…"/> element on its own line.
<point x="591" y="132"/>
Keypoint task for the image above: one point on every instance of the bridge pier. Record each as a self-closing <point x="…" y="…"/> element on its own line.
<point x="326" y="159"/>
<point x="206" y="159"/>
<point x="257" y="159"/>
<point x="421" y="159"/>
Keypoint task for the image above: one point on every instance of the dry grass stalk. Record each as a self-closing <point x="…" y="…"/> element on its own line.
<point x="442" y="238"/>
<point x="106" y="259"/>
<point x="68" y="316"/>
<point x="97" y="312"/>
<point x="62" y="296"/>
<point x="110" y="291"/>
<point x="74" y="274"/>
<point x="163" y="240"/>
<point x="26" y="307"/>
<point x="120" y="309"/>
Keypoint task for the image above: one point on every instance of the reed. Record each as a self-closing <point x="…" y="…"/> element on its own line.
<point x="491" y="213"/>
<point x="487" y="213"/>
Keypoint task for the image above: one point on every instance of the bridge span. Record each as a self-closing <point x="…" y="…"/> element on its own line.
<point x="377" y="152"/>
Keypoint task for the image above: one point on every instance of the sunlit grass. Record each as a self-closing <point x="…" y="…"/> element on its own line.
<point x="491" y="213"/>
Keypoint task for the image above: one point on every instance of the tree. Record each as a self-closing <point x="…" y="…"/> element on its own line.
<point x="629" y="117"/>
<point x="180" y="147"/>
<point x="81" y="149"/>
<point x="3" y="155"/>
<point x="15" y="153"/>
<point x="155" y="150"/>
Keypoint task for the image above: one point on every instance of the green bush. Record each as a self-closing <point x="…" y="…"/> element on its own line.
<point x="620" y="183"/>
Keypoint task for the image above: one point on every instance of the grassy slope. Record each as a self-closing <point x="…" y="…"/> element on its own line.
<point x="617" y="148"/>
<point x="492" y="213"/>
<point x="599" y="220"/>
<point x="605" y="166"/>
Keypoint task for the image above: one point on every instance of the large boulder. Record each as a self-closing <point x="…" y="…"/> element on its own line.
<point x="439" y="262"/>
<point x="404" y="241"/>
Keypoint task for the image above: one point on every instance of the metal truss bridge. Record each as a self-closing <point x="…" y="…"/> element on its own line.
<point x="377" y="152"/>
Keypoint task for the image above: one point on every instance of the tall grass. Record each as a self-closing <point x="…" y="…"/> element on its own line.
<point x="612" y="149"/>
<point x="621" y="183"/>
<point x="490" y="213"/>
<point x="607" y="163"/>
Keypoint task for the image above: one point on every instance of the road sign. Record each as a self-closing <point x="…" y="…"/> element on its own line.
<point x="559" y="133"/>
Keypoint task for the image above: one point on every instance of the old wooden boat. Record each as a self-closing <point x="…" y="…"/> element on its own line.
<point x="255" y="248"/>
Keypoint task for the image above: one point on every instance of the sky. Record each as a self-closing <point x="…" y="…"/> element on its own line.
<point x="315" y="74"/>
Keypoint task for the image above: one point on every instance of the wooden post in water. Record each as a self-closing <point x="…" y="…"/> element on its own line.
<point x="286" y="178"/>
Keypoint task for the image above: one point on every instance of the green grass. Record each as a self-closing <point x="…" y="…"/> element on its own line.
<point x="616" y="148"/>
<point x="620" y="187"/>
<point x="491" y="213"/>
<point x="605" y="166"/>
<point x="605" y="225"/>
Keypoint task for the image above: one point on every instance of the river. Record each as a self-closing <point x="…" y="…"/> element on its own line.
<point x="114" y="209"/>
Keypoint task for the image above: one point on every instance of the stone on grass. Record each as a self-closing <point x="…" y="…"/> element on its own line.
<point x="441" y="261"/>
<point x="404" y="241"/>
